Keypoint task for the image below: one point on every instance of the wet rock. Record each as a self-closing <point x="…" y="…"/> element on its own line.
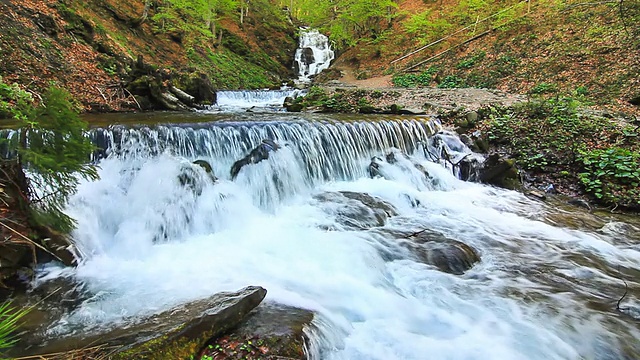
<point x="432" y="248"/>
<point x="579" y="203"/>
<point x="536" y="194"/>
<point x="356" y="210"/>
<point x="261" y="152"/>
<point x="189" y="177"/>
<point x="500" y="172"/>
<point x="270" y="331"/>
<point x="178" y="333"/>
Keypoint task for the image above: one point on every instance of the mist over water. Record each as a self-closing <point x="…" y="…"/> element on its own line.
<point x="148" y="243"/>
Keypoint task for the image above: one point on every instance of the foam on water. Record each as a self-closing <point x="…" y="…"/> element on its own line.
<point x="149" y="243"/>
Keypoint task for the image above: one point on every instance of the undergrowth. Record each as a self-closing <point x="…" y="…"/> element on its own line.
<point x="553" y="136"/>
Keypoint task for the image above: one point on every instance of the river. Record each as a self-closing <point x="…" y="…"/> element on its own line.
<point x="546" y="286"/>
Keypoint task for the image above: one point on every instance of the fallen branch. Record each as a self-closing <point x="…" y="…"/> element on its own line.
<point x="31" y="241"/>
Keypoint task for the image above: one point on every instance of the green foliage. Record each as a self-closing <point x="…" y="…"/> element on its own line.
<point x="554" y="137"/>
<point x="472" y="60"/>
<point x="544" y="88"/>
<point x="411" y="80"/>
<point x="54" y="149"/>
<point x="612" y="175"/>
<point x="427" y="28"/>
<point x="9" y="318"/>
<point x="548" y="133"/>
<point x="177" y="14"/>
<point x="347" y="21"/>
<point x="451" y="82"/>
<point x="14" y="102"/>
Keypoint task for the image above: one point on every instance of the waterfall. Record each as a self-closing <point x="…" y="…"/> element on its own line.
<point x="314" y="54"/>
<point x="242" y="99"/>
<point x="326" y="150"/>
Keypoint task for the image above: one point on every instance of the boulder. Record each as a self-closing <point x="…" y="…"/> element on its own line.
<point x="178" y="333"/>
<point x="199" y="86"/>
<point x="270" y="331"/>
<point x="500" y="172"/>
<point x="432" y="248"/>
<point x="356" y="210"/>
<point x="259" y="153"/>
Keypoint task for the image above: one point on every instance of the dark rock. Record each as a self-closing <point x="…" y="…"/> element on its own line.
<point x="500" y="172"/>
<point x="174" y="334"/>
<point x="635" y="100"/>
<point x="307" y="56"/>
<point x="261" y="152"/>
<point x="356" y="210"/>
<point x="432" y="248"/>
<point x="580" y="203"/>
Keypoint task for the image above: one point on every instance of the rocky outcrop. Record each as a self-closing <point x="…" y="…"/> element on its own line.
<point x="173" y="334"/>
<point x="261" y="152"/>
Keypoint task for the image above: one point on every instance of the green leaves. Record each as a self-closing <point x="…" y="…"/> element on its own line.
<point x="612" y="174"/>
<point x="9" y="318"/>
<point x="53" y="147"/>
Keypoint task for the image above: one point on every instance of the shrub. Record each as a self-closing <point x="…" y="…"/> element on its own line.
<point x="612" y="175"/>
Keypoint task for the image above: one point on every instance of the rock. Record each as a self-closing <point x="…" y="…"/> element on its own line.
<point x="199" y="86"/>
<point x="579" y="203"/>
<point x="635" y="100"/>
<point x="173" y="334"/>
<point x="500" y="172"/>
<point x="432" y="248"/>
<point x="261" y="152"/>
<point x="273" y="330"/>
<point x="472" y="117"/>
<point x="189" y="177"/>
<point x="410" y="111"/>
<point x="356" y="210"/>
<point x="536" y="194"/>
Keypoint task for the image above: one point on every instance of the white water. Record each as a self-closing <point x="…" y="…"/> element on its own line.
<point x="243" y="99"/>
<point x="149" y="244"/>
<point x="313" y="42"/>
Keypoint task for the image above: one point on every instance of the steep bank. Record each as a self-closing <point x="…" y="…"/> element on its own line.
<point x="91" y="48"/>
<point x="588" y="50"/>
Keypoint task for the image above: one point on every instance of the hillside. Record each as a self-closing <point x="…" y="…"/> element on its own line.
<point x="585" y="50"/>
<point x="92" y="48"/>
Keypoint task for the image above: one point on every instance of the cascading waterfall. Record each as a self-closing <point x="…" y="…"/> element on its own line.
<point x="314" y="54"/>
<point x="148" y="243"/>
<point x="242" y="99"/>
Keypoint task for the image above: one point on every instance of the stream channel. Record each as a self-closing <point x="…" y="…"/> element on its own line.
<point x="545" y="287"/>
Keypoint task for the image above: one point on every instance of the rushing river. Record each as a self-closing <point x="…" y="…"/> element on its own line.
<point x="546" y="286"/>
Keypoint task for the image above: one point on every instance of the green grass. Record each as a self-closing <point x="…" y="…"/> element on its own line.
<point x="9" y="322"/>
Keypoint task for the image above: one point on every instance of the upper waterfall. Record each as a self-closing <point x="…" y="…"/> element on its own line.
<point x="314" y="54"/>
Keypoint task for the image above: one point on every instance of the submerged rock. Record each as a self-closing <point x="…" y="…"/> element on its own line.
<point x="261" y="152"/>
<point x="173" y="334"/>
<point x="356" y="210"/>
<point x="432" y="248"/>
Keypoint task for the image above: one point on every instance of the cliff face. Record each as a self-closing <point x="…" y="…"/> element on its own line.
<point x="91" y="47"/>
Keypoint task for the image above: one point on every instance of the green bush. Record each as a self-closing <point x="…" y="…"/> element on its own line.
<point x="549" y="133"/>
<point x="451" y="82"/>
<point x="612" y="175"/>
